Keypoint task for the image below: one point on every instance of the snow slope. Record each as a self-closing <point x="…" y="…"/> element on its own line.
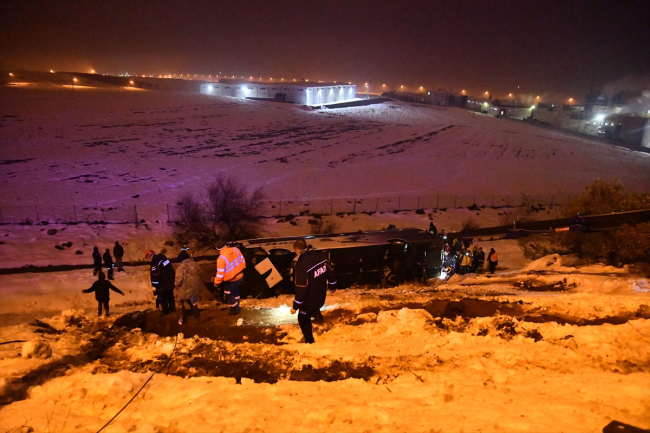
<point x="102" y="146"/>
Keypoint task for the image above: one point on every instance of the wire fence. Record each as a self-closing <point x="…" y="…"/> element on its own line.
<point x="72" y="214"/>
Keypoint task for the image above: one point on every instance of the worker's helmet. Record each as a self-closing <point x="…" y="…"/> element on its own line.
<point x="185" y="248"/>
<point x="149" y="254"/>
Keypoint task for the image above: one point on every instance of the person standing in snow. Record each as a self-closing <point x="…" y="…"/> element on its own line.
<point x="480" y="259"/>
<point x="102" y="295"/>
<point x="188" y="284"/>
<point x="108" y="262"/>
<point x="493" y="260"/>
<point x="230" y="274"/>
<point x="465" y="262"/>
<point x="313" y="275"/>
<point x="162" y="276"/>
<point x="433" y="229"/>
<point x="118" y="252"/>
<point x="97" y="261"/>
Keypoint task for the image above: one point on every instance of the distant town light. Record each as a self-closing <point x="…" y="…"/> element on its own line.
<point x="92" y="71"/>
<point x="131" y="82"/>
<point x="51" y="71"/>
<point x="75" y="80"/>
<point x="10" y="74"/>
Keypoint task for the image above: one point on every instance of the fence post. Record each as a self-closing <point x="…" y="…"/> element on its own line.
<point x="331" y="206"/>
<point x="308" y="207"/>
<point x="354" y="209"/>
<point x="552" y="199"/>
<point x="137" y="221"/>
<point x="38" y="219"/>
<point x="74" y="210"/>
<point x="377" y="205"/>
<point x="1" y="220"/>
<point x="399" y="202"/>
<point x="418" y="203"/>
<point x="280" y="212"/>
<point x="102" y="211"/>
<point x="167" y="213"/>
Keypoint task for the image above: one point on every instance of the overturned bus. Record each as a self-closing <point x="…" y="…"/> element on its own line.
<point x="373" y="257"/>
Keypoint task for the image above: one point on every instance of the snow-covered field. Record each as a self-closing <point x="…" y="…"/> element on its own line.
<point x="543" y="346"/>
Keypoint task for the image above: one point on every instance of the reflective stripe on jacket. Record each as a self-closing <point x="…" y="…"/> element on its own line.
<point x="230" y="265"/>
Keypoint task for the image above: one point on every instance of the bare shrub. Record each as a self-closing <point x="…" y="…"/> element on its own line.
<point x="324" y="227"/>
<point x="628" y="244"/>
<point x="536" y="246"/>
<point x="469" y="224"/>
<point x="605" y="196"/>
<point x="226" y="210"/>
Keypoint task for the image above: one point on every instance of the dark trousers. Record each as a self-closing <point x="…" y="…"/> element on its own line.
<point x="110" y="272"/>
<point x="231" y="290"/>
<point x="492" y="265"/>
<point x="99" y="307"/>
<point x="166" y="301"/>
<point x="304" y="320"/>
<point x="118" y="263"/>
<point x="97" y="268"/>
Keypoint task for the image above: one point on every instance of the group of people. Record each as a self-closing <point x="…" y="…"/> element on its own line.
<point x="313" y="276"/>
<point x="461" y="260"/>
<point x="107" y="260"/>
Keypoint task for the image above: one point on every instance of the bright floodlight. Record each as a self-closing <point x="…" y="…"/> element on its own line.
<point x="600" y="117"/>
<point x="131" y="82"/>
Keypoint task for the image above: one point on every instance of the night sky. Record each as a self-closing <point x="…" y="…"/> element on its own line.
<point x="545" y="47"/>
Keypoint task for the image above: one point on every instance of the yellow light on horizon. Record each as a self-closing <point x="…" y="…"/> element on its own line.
<point x="51" y="71"/>
<point x="510" y="94"/>
<point x="92" y="71"/>
<point x="74" y="79"/>
<point x="486" y="92"/>
<point x="131" y="82"/>
<point x="383" y="85"/>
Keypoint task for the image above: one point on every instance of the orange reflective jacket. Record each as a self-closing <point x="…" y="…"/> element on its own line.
<point x="230" y="265"/>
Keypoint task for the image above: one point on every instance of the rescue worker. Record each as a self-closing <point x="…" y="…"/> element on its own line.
<point x="230" y="273"/>
<point x="102" y="295"/>
<point x="188" y="284"/>
<point x="493" y="260"/>
<point x="162" y="280"/>
<point x="480" y="259"/>
<point x="97" y="261"/>
<point x="108" y="262"/>
<point x="118" y="252"/>
<point x="465" y="263"/>
<point x="313" y="275"/>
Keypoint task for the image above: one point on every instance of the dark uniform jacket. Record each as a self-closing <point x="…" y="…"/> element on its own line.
<point x="97" y="258"/>
<point x="162" y="273"/>
<point x="118" y="251"/>
<point x="312" y="277"/>
<point x="100" y="287"/>
<point x="108" y="260"/>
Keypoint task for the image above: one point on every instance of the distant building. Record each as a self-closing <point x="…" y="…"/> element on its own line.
<point x="303" y="93"/>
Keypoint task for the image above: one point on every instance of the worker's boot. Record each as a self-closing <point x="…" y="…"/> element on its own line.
<point x="197" y="312"/>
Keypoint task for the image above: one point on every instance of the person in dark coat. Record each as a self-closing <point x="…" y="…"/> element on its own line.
<point x="162" y="276"/>
<point x="493" y="260"/>
<point x="313" y="275"/>
<point x="108" y="262"/>
<point x="102" y="295"/>
<point x="97" y="261"/>
<point x="433" y="229"/>
<point x="118" y="252"/>
<point x="480" y="259"/>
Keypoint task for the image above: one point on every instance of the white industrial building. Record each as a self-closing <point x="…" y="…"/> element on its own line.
<point x="303" y="93"/>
